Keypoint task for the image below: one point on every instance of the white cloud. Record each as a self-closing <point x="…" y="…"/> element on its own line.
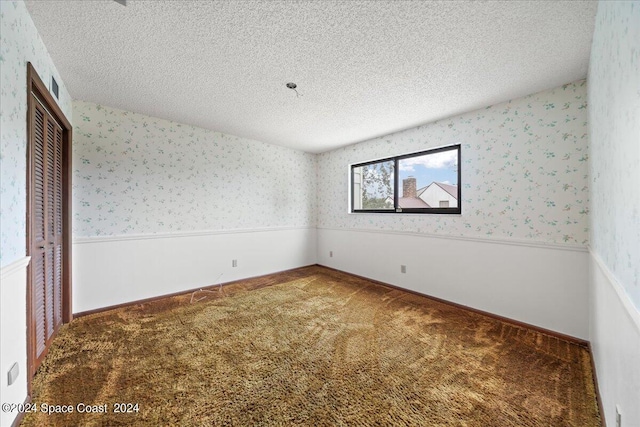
<point x="442" y="160"/>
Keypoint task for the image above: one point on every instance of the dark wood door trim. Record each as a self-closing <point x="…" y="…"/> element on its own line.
<point x="36" y="86"/>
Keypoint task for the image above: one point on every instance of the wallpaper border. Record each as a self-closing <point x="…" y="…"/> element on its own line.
<point x="513" y="242"/>
<point x="124" y="237"/>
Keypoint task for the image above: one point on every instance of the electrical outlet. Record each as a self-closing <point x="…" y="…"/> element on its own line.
<point x="330" y="254"/>
<point x="403" y="269"/>
<point x="618" y="416"/>
<point x="13" y="373"/>
<point x="234" y="263"/>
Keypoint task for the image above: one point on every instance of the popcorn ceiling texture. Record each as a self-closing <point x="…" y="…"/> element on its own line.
<point x="524" y="172"/>
<point x="19" y="44"/>
<point x="364" y="69"/>
<point x="135" y="174"/>
<point x="614" y="97"/>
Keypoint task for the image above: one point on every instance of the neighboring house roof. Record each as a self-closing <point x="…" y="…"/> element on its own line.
<point x="411" y="202"/>
<point x="451" y="189"/>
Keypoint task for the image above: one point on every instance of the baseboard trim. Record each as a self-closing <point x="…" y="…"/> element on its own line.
<point x="179" y="293"/>
<point x="493" y="240"/>
<point x="577" y="341"/>
<point x="18" y="420"/>
<point x="123" y="237"/>
<point x="572" y="339"/>
<point x="603" y="421"/>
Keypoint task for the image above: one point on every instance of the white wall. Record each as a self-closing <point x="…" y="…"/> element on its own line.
<point x="524" y="171"/>
<point x="135" y="174"/>
<point x="543" y="285"/>
<point x="13" y="335"/>
<point x="519" y="247"/>
<point x="614" y="119"/>
<point x="19" y="43"/>
<point x="614" y="326"/>
<point x="116" y="270"/>
<point x="161" y="207"/>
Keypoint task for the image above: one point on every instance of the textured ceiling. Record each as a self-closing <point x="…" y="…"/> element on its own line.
<point x="363" y="68"/>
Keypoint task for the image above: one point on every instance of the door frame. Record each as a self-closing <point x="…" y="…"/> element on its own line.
<point x="37" y="86"/>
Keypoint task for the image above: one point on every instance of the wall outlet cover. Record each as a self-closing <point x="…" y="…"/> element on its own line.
<point x="13" y="373"/>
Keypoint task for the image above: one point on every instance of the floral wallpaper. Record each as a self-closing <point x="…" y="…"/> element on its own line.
<point x="135" y="174"/>
<point x="19" y="44"/>
<point x="524" y="172"/>
<point x="614" y="97"/>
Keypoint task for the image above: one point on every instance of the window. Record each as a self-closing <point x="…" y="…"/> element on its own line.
<point x="373" y="183"/>
<point x="424" y="182"/>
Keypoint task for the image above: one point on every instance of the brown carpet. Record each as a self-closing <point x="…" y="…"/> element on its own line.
<point x="312" y="347"/>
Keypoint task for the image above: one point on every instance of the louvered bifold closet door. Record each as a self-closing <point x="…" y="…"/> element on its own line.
<point x="57" y="233"/>
<point x="39" y="215"/>
<point x="47" y="230"/>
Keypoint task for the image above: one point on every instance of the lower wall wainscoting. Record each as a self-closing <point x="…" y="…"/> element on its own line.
<point x="13" y="335"/>
<point x="614" y="325"/>
<point x="111" y="271"/>
<point x="542" y="285"/>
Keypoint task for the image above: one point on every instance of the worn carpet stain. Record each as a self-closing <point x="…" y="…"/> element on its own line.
<point x="312" y="347"/>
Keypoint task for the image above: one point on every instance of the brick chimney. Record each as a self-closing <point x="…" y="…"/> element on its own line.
<point x="409" y="188"/>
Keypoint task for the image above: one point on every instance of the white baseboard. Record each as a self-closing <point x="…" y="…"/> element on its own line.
<point x="13" y="334"/>
<point x="115" y="270"/>
<point x="614" y="325"/>
<point x="541" y="285"/>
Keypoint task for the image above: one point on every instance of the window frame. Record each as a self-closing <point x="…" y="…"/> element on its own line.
<point x="396" y="161"/>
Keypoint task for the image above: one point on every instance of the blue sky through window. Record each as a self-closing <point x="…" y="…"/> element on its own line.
<point x="439" y="167"/>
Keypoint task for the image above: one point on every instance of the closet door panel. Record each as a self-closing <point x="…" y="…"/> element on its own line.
<point x="47" y="227"/>
<point x="57" y="231"/>
<point x="39" y="231"/>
